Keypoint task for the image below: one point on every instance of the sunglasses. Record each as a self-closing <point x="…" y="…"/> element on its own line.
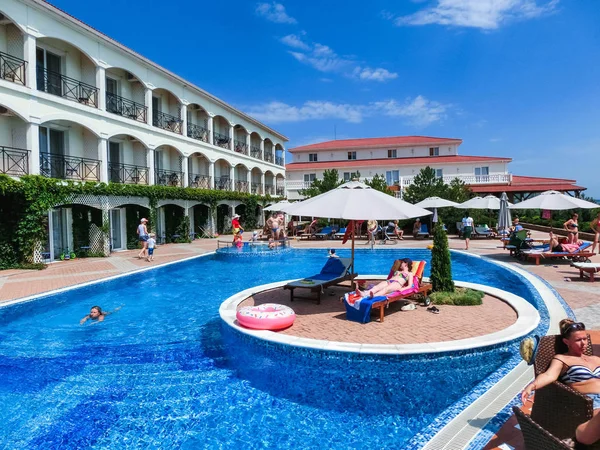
<point x="577" y="326"/>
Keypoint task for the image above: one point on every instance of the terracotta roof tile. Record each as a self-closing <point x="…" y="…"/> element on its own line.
<point x="394" y="141"/>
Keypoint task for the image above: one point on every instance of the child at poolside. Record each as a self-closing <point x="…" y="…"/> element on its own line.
<point x="151" y="244"/>
<point x="237" y="239"/>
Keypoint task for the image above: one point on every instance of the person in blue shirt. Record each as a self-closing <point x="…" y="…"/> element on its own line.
<point x="516" y="225"/>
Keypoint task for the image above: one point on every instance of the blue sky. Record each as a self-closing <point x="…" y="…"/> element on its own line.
<point x="515" y="78"/>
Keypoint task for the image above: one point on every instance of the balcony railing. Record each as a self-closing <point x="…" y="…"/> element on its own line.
<point x="14" y="161"/>
<point x="257" y="188"/>
<point x="255" y="152"/>
<point x="199" y="181"/>
<point x="297" y="185"/>
<point x="64" y="167"/>
<point x="58" y="84"/>
<point x="220" y="140"/>
<point x="223" y="183"/>
<point x="279" y="160"/>
<point x="167" y="122"/>
<point x="197" y="132"/>
<point x="240" y="147"/>
<point x="125" y="107"/>
<point x="280" y="191"/>
<point x="268" y="156"/>
<point x="168" y="178"/>
<point x="269" y="189"/>
<point x="127" y="173"/>
<point x="241" y="186"/>
<point x="12" y="68"/>
<point x="497" y="178"/>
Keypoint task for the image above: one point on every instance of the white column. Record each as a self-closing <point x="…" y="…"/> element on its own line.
<point x="262" y="182"/>
<point x="150" y="164"/>
<point x="249" y="180"/>
<point x="232" y="177"/>
<point x="29" y="55"/>
<point x="248" y="143"/>
<point x="33" y="145"/>
<point x="101" y="85"/>
<point x="103" y="157"/>
<point x="210" y="130"/>
<point x="262" y="152"/>
<point x="184" y="118"/>
<point x="148" y="101"/>
<point x="231" y="138"/>
<point x="211" y="174"/>
<point x="184" y="168"/>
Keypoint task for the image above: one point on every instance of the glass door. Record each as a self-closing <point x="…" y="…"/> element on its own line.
<point x="112" y="91"/>
<point x="48" y="72"/>
<point x="115" y="230"/>
<point x="114" y="162"/>
<point x="155" y="110"/>
<point x="60" y="239"/>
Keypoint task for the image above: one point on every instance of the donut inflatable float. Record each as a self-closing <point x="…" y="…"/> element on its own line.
<point x="268" y="316"/>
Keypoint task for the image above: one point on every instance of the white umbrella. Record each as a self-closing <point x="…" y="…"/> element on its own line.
<point x="355" y="201"/>
<point x="487" y="202"/>
<point x="504" y="219"/>
<point x="554" y="201"/>
<point x="435" y="203"/>
<point x="277" y="206"/>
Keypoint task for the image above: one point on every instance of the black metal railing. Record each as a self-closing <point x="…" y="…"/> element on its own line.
<point x="280" y="190"/>
<point x="168" y="178"/>
<point x="14" y="161"/>
<point x="255" y="152"/>
<point x="197" y="132"/>
<point x="12" y="68"/>
<point x="167" y="122"/>
<point x="257" y="188"/>
<point x="69" y="167"/>
<point x="269" y="189"/>
<point x="127" y="173"/>
<point x="240" y="147"/>
<point x="241" y="186"/>
<point x="223" y="183"/>
<point x="124" y="107"/>
<point x="268" y="156"/>
<point x="199" y="181"/>
<point x="221" y="140"/>
<point x="279" y="160"/>
<point x="58" y="84"/>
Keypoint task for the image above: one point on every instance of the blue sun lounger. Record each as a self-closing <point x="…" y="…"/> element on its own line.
<point x="335" y="271"/>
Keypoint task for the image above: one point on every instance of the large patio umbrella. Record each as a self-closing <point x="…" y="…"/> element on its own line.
<point x="355" y="201"/>
<point x="277" y="206"/>
<point x="504" y="219"/>
<point x="435" y="203"/>
<point x="487" y="202"/>
<point x="554" y="201"/>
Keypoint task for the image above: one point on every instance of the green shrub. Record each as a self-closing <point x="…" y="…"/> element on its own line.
<point x="460" y="297"/>
<point x="441" y="266"/>
<point x="8" y="257"/>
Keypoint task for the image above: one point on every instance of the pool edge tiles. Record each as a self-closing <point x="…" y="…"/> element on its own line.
<point x="15" y="301"/>
<point x="528" y="320"/>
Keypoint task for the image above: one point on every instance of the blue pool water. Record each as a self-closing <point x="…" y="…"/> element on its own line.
<point x="163" y="372"/>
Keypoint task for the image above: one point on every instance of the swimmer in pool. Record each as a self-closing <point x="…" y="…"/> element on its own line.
<point x="96" y="314"/>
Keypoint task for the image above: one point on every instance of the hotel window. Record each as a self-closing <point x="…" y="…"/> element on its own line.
<point x="351" y="155"/>
<point x="482" y="174"/>
<point x="310" y="177"/>
<point x="392" y="153"/>
<point x="348" y="176"/>
<point x="439" y="173"/>
<point x="312" y="157"/>
<point x="434" y="151"/>
<point x="392" y="177"/>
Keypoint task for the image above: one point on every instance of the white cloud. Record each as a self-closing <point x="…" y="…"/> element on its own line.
<point x="294" y="41"/>
<point x="322" y="58"/>
<point x="419" y="112"/>
<point x="274" y="12"/>
<point x="484" y="14"/>
<point x="379" y="74"/>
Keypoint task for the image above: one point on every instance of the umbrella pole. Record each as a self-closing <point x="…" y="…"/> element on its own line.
<point x="353" y="230"/>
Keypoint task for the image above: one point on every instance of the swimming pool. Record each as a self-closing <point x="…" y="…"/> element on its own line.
<point x="163" y="371"/>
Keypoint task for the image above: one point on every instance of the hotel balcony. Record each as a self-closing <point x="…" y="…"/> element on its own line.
<point x="167" y="122"/>
<point x="127" y="173"/>
<point x="269" y="189"/>
<point x="64" y="167"/>
<point x="223" y="183"/>
<point x="199" y="181"/>
<point x="268" y="156"/>
<point x="279" y="160"/>
<point x="12" y="68"/>
<point x="168" y="178"/>
<point x="241" y="186"/>
<point x="221" y="140"/>
<point x="14" y="161"/>
<point x="255" y="152"/>
<point x="256" y="188"/>
<point x="280" y="191"/>
<point x="197" y="132"/>
<point x="498" y="178"/>
<point x="125" y="107"/>
<point x="240" y="147"/>
<point x="63" y="86"/>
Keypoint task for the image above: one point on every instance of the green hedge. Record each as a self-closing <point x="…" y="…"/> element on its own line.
<point x="460" y="297"/>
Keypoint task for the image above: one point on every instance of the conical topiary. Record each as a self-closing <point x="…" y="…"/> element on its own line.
<point x="441" y="266"/>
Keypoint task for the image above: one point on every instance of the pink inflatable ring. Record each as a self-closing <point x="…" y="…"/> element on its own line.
<point x="268" y="316"/>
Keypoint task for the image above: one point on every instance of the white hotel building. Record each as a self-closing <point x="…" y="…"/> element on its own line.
<point x="75" y="104"/>
<point x="400" y="158"/>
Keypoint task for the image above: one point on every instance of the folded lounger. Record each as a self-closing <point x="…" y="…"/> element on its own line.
<point x="587" y="267"/>
<point x="580" y="255"/>
<point x="335" y="271"/>
<point x="360" y="311"/>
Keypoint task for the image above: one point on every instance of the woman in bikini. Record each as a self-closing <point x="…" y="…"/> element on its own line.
<point x="595" y="226"/>
<point x="557" y="247"/>
<point x="572" y="226"/>
<point x="401" y="278"/>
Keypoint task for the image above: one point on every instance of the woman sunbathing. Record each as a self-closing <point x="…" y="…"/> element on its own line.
<point x="401" y="278"/>
<point x="557" y="247"/>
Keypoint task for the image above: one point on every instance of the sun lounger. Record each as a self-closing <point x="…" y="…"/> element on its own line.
<point x="420" y="289"/>
<point x="340" y="234"/>
<point x="335" y="271"/>
<point x="325" y="233"/>
<point x="581" y="255"/>
<point x="484" y="231"/>
<point x="424" y="232"/>
<point x="587" y="267"/>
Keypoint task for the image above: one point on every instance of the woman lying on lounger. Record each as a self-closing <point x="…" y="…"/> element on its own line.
<point x="557" y="247"/>
<point x="402" y="278"/>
